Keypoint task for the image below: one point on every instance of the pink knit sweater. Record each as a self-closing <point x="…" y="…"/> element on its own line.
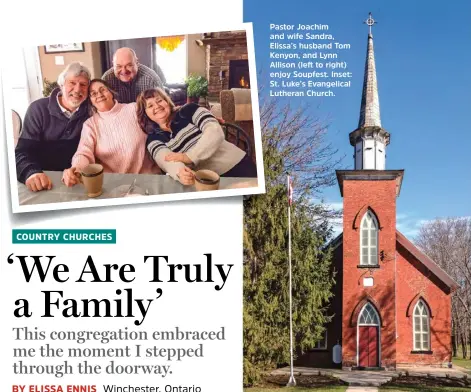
<point x="115" y="140"/>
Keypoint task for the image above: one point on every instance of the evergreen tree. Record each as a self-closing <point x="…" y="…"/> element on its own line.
<point x="266" y="275"/>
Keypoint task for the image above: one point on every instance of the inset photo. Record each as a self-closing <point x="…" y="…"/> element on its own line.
<point x="133" y="120"/>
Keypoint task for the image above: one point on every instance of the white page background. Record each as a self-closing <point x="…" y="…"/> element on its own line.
<point x="182" y="230"/>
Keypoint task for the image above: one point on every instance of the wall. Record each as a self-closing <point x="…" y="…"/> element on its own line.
<point x="90" y="57"/>
<point x="196" y="56"/>
<point x="415" y="281"/>
<point x="220" y="50"/>
<point x="380" y="196"/>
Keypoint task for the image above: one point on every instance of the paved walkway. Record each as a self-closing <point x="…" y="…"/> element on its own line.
<point x="362" y="389"/>
<point x="455" y="371"/>
<point x="360" y="378"/>
<point x="371" y="378"/>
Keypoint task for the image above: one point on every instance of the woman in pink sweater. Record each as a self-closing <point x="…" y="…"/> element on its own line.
<point x="111" y="137"/>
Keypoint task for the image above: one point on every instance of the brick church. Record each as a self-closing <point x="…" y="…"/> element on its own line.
<point x="392" y="303"/>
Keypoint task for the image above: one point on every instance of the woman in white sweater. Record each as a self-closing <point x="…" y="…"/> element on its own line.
<point x="188" y="135"/>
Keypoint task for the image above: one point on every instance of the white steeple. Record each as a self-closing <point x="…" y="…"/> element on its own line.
<point x="369" y="139"/>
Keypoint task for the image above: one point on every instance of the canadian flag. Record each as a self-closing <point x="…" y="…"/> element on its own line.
<point x="290" y="191"/>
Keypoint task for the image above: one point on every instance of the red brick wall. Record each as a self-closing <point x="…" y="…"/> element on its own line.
<point x="415" y="281"/>
<point x="380" y="196"/>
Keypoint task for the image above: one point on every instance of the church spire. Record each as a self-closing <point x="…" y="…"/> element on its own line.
<point x="369" y="111"/>
<point x="370" y="139"/>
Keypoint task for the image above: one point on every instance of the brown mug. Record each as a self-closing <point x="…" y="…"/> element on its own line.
<point x="206" y="180"/>
<point x="92" y="178"/>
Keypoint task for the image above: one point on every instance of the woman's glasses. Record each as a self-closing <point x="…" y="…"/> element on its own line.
<point x="100" y="91"/>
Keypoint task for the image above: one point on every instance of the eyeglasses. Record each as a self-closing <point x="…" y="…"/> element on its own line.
<point x="100" y="91"/>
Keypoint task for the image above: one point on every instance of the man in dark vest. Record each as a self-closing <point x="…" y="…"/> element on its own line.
<point x="52" y="128"/>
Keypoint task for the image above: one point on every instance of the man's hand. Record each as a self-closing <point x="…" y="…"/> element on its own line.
<point x="186" y="176"/>
<point x="70" y="177"/>
<point x="38" y="182"/>
<point x="178" y="157"/>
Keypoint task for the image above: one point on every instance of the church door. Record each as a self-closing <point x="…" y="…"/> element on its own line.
<point x="368" y="346"/>
<point x="368" y="337"/>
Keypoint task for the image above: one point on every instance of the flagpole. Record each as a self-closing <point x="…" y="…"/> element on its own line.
<point x="292" y="381"/>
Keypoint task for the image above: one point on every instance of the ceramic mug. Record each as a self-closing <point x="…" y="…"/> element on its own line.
<point x="92" y="178"/>
<point x="206" y="180"/>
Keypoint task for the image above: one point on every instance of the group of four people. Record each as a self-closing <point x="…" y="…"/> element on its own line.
<point x="124" y="121"/>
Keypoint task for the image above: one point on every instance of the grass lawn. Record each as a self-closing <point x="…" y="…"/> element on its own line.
<point x="422" y="389"/>
<point x="333" y="388"/>
<point x="466" y="363"/>
<point x="458" y="360"/>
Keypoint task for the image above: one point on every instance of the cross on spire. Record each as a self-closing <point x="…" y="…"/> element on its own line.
<point x="370" y="22"/>
<point x="370" y="139"/>
<point x="369" y="111"/>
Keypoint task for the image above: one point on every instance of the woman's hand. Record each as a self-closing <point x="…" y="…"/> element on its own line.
<point x="186" y="176"/>
<point x="178" y="157"/>
<point x="70" y="177"/>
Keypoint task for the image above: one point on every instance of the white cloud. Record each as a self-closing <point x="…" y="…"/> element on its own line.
<point x="336" y="205"/>
<point x="337" y="223"/>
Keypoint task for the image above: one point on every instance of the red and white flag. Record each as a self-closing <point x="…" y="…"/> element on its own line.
<point x="290" y="191"/>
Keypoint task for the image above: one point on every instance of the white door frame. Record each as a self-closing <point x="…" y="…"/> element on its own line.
<point x="368" y="325"/>
<point x="33" y="73"/>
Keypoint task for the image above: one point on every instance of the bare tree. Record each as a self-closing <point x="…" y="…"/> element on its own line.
<point x="448" y="243"/>
<point x="299" y="138"/>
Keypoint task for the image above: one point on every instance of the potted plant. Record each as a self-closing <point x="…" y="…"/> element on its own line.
<point x="197" y="87"/>
<point x="48" y="86"/>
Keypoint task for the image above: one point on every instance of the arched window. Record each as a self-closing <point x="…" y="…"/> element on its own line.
<point x="368" y="315"/>
<point x="369" y="240"/>
<point x="421" y="327"/>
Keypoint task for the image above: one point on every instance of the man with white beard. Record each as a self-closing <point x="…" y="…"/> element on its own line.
<point x="52" y="127"/>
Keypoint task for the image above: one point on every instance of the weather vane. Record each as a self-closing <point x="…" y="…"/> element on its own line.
<point x="370" y="21"/>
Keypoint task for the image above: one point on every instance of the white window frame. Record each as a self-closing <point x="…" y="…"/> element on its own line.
<point x="419" y="328"/>
<point x="322" y="343"/>
<point x="370" y="223"/>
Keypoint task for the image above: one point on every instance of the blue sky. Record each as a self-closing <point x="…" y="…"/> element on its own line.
<point x="423" y="63"/>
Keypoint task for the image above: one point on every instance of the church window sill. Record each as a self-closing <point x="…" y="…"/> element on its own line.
<point x="421" y="352"/>
<point x="368" y="266"/>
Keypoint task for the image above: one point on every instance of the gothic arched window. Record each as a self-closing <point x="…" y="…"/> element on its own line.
<point x="421" y="327"/>
<point x="368" y="315"/>
<point x="369" y="240"/>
